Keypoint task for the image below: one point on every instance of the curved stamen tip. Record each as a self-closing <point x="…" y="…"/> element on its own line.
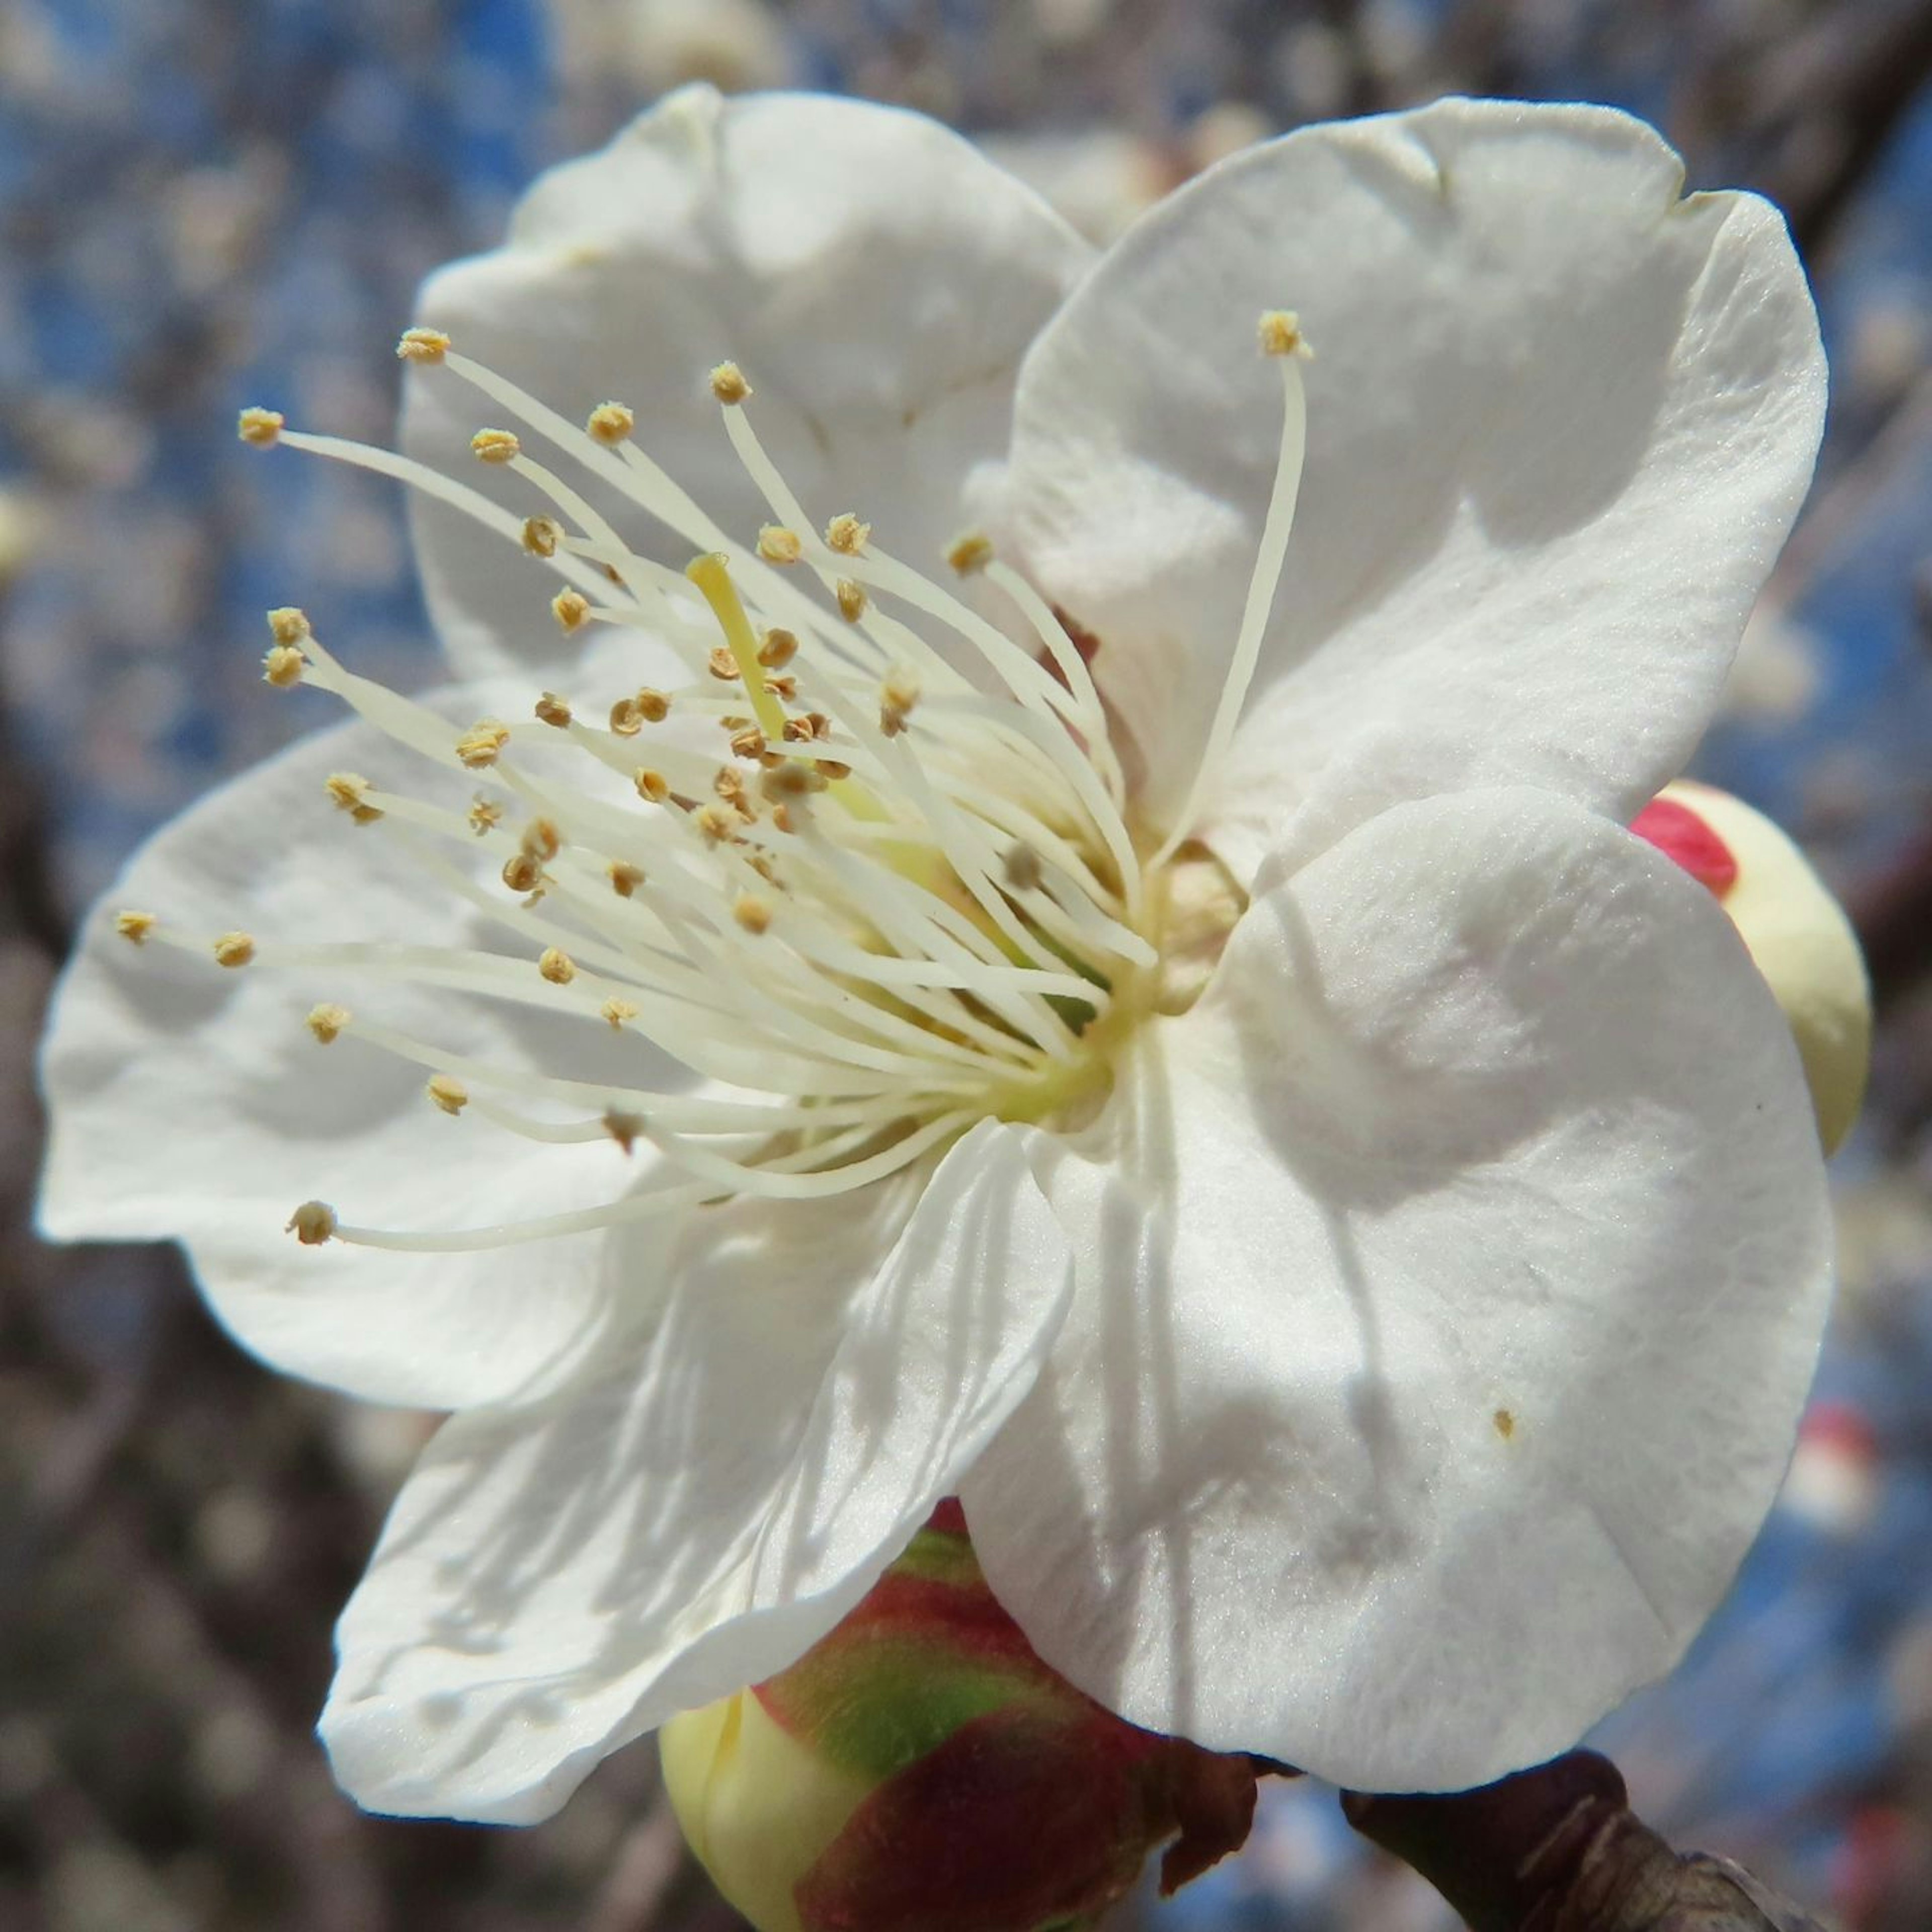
<point x="728" y="384"/>
<point x="312" y="1223"/>
<point x="349" y="792"/>
<point x="1280" y="330"/>
<point x="611" y="423"/>
<point x="969" y="553"/>
<point x="422" y="345"/>
<point x="495" y="445"/>
<point x="283" y="665"/>
<point x="847" y="535"/>
<point x="447" y="1092"/>
<point x="259" y="427"/>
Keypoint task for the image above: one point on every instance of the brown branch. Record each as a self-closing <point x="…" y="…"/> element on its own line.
<point x="1558" y="1849"/>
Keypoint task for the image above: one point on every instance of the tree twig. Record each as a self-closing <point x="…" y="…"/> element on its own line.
<point x="1558" y="1849"/>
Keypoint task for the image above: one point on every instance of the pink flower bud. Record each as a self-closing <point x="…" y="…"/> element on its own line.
<point x="921" y="1770"/>
<point x="1798" y="934"/>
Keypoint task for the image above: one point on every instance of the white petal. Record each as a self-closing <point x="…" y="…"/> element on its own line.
<point x="1448" y="1299"/>
<point x="1559" y="422"/>
<point x="877" y="278"/>
<point x="557" y="1580"/>
<point x="191" y="1103"/>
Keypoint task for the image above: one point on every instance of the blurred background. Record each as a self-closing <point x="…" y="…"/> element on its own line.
<point x="205" y="203"/>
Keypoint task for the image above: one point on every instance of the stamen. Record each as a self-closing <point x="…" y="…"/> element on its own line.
<point x="234" y="950"/>
<point x="728" y="384"/>
<point x="261" y="427"/>
<point x="777" y="544"/>
<point x="447" y="1092"/>
<point x="847" y="535"/>
<point x="282" y="666"/>
<point x="495" y="445"/>
<point x="479" y="747"/>
<point x="422" y="345"/>
<point x="553" y="710"/>
<point x="327" y="1021"/>
<point x="570" y="608"/>
<point x="611" y="423"/>
<point x="557" y="966"/>
<point x="1281" y="342"/>
<point x="312" y="1223"/>
<point x="350" y="793"/>
<point x="134" y="927"/>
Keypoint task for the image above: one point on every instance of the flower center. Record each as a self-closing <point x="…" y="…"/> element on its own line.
<point x="864" y="890"/>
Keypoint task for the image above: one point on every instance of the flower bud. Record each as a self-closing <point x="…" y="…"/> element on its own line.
<point x="1799" y="936"/>
<point x="921" y="1770"/>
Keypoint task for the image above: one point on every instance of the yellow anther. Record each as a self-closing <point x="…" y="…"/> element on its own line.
<point x="541" y="536"/>
<point x="485" y="815"/>
<point x="1022" y="867"/>
<point x="653" y="706"/>
<point x="422" y="345"/>
<point x="552" y="710"/>
<point x="625" y="878"/>
<point x="617" y="1013"/>
<point x="326" y="1022"/>
<point x="777" y="647"/>
<point x="749" y="743"/>
<point x="847" y="535"/>
<point x="134" y="927"/>
<point x="570" y="608"/>
<point x="722" y="664"/>
<point x="781" y="820"/>
<point x="752" y="913"/>
<point x="283" y="665"/>
<point x="259" y="427"/>
<point x="448" y="1092"/>
<point x="234" y="949"/>
<point x="478" y="746"/>
<point x="897" y="696"/>
<point x="495" y="445"/>
<point x="523" y="871"/>
<point x="785" y="686"/>
<point x="351" y="793"/>
<point x="623" y="1128"/>
<point x="715" y="823"/>
<point x="728" y="384"/>
<point x="542" y="838"/>
<point x="833" y="768"/>
<point x="312" y="1223"/>
<point x="777" y="544"/>
<point x="557" y="966"/>
<point x="610" y="423"/>
<point x="1280" y="330"/>
<point x="627" y="717"/>
<point x="970" y="553"/>
<point x="851" y="599"/>
<point x="288" y="626"/>
<point x="652" y="787"/>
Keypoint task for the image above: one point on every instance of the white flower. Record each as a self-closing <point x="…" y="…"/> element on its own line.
<point x="1350" y="1225"/>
